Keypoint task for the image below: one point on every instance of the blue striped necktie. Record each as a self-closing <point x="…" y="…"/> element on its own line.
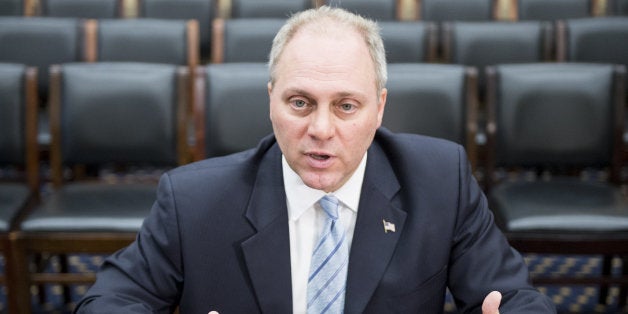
<point x="328" y="270"/>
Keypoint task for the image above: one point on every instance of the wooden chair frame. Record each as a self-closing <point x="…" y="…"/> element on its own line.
<point x="91" y="42"/>
<point x="562" y="243"/>
<point x="90" y="51"/>
<point x="26" y="243"/>
<point x="218" y="45"/>
<point x="11" y="276"/>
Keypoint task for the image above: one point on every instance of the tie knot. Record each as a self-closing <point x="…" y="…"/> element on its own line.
<point x="329" y="203"/>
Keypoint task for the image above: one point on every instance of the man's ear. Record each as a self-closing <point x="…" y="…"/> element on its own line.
<point x="381" y="105"/>
<point x="270" y="109"/>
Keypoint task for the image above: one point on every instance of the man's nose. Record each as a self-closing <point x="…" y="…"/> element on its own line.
<point x="322" y="123"/>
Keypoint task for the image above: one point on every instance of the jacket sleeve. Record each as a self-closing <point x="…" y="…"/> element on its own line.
<point x="483" y="261"/>
<point x="146" y="276"/>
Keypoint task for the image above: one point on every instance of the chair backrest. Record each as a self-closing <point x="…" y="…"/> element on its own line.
<point x="117" y="113"/>
<point x="555" y="115"/>
<point x="437" y="100"/>
<point x="40" y="42"/>
<point x="267" y="8"/>
<point x="457" y="10"/>
<point x="545" y="10"/>
<point x="617" y="7"/>
<point x="203" y="11"/>
<point x="480" y="44"/>
<point x="18" y="119"/>
<point x="143" y="40"/>
<point x="380" y="10"/>
<point x="409" y="41"/>
<point x="243" y="40"/>
<point x="599" y="39"/>
<point x="12" y="8"/>
<point x="233" y="112"/>
<point x="89" y="9"/>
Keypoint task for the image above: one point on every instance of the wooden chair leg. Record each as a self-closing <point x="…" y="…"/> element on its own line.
<point x="39" y="263"/>
<point x="607" y="266"/>
<point x="623" y="288"/>
<point x="11" y="277"/>
<point x="20" y="283"/>
<point x="65" y="269"/>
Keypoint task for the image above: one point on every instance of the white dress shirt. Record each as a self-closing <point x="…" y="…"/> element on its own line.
<point x="305" y="223"/>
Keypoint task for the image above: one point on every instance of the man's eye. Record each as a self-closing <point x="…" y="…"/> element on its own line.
<point x="299" y="103"/>
<point x="347" y="107"/>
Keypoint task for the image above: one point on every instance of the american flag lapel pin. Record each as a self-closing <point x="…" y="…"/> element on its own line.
<point x="388" y="226"/>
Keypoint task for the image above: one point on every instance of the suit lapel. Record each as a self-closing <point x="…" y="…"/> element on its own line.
<point x="373" y="244"/>
<point x="267" y="253"/>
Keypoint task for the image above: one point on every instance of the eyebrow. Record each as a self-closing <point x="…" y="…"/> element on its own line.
<point x="311" y="97"/>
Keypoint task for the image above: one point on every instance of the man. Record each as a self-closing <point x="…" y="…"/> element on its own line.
<point x="398" y="217"/>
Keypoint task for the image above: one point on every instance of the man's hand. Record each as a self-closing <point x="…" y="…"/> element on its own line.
<point x="491" y="303"/>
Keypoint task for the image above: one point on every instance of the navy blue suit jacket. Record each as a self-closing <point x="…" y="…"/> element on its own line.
<point x="217" y="239"/>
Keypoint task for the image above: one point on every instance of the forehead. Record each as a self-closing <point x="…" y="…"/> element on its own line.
<point x="335" y="53"/>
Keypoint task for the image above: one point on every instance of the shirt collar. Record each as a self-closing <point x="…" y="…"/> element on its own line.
<point x="300" y="197"/>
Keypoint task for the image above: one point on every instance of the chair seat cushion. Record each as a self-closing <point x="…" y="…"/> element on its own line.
<point x="12" y="197"/>
<point x="92" y="207"/>
<point x="563" y="205"/>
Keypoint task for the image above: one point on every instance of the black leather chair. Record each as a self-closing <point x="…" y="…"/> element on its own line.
<point x="598" y="40"/>
<point x="105" y="118"/>
<point x="437" y="100"/>
<point x="550" y="128"/>
<point x="87" y="9"/>
<point x="268" y="8"/>
<point x="380" y="10"/>
<point x="544" y="10"/>
<point x="232" y="113"/>
<point x="19" y="182"/>
<point x="480" y="44"/>
<point x="12" y="8"/>
<point x="408" y="42"/>
<point x="143" y="40"/>
<point x="243" y="39"/>
<point x="203" y="11"/>
<point x="457" y="10"/>
<point x="40" y="42"/>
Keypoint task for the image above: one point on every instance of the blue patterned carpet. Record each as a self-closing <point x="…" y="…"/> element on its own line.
<point x="568" y="299"/>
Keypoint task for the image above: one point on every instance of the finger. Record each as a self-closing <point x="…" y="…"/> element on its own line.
<point x="213" y="312"/>
<point x="491" y="303"/>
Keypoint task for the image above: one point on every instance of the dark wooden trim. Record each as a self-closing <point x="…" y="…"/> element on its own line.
<point x="31" y="125"/>
<point x="56" y="163"/>
<point x="90" y="45"/>
<point x="218" y="40"/>
<point x="184" y="86"/>
<point x="199" y="104"/>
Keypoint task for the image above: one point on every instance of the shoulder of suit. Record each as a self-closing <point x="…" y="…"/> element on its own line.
<point x="243" y="161"/>
<point x="413" y="142"/>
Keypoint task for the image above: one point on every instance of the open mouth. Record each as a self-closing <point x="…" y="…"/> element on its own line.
<point x="319" y="157"/>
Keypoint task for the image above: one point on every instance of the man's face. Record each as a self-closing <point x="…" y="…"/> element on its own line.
<point x="325" y="106"/>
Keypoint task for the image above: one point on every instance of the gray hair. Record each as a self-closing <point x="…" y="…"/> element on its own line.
<point x="369" y="30"/>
